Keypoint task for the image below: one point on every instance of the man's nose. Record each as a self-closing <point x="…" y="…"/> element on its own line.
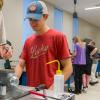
<point x="33" y="23"/>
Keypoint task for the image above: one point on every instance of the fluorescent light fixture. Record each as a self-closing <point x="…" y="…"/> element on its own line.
<point x="91" y="8"/>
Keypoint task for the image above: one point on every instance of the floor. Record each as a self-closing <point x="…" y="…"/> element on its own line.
<point x="93" y="93"/>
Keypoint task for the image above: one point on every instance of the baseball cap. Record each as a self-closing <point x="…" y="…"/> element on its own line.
<point x="36" y="9"/>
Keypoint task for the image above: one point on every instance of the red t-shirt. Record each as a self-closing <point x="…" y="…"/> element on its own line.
<point x="40" y="49"/>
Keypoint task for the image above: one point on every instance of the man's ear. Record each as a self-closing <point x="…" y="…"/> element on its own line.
<point x="45" y="16"/>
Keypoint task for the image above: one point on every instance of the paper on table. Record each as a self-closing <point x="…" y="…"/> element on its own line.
<point x="25" y="88"/>
<point x="51" y="96"/>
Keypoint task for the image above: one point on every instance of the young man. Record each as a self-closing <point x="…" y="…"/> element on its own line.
<point x="43" y="46"/>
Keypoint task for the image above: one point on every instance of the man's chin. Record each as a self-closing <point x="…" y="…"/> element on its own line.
<point x="35" y="28"/>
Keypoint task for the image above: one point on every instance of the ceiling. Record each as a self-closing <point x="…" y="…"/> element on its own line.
<point x="92" y="16"/>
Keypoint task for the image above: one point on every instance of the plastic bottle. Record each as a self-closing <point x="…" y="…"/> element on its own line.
<point x="2" y="89"/>
<point x="58" y="80"/>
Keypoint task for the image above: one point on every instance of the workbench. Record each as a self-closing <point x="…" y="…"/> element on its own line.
<point x="22" y="92"/>
<point x="49" y="93"/>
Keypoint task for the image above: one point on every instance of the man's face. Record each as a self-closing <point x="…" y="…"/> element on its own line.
<point x="37" y="25"/>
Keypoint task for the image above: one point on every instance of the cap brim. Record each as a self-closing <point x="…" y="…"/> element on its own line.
<point x="34" y="16"/>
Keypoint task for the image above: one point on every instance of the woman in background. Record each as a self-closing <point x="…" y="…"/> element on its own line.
<point x="93" y="79"/>
<point x="90" y="50"/>
<point x="79" y="61"/>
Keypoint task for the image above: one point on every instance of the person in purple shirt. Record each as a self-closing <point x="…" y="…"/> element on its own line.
<point x="79" y="62"/>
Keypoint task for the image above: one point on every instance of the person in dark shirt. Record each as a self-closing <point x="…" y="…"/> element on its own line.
<point x="87" y="70"/>
<point x="94" y="57"/>
<point x="89" y="61"/>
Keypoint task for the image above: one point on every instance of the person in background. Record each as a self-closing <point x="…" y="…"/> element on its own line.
<point x="93" y="79"/>
<point x="87" y="70"/>
<point x="79" y="62"/>
<point x="43" y="46"/>
<point x="7" y="64"/>
<point x="5" y="51"/>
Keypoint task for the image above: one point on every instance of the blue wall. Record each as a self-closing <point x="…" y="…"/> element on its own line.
<point x="58" y="19"/>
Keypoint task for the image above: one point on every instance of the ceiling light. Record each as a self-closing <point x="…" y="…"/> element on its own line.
<point x="91" y="8"/>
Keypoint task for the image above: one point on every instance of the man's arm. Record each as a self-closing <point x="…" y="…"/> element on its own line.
<point x="93" y="51"/>
<point x="68" y="69"/>
<point x="19" y="68"/>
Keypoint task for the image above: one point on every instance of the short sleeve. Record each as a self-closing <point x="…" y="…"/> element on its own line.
<point x="62" y="47"/>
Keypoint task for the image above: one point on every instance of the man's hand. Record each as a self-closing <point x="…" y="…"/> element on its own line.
<point x="6" y="51"/>
<point x="51" y="87"/>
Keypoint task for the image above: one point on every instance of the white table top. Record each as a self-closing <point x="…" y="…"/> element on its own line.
<point x="47" y="93"/>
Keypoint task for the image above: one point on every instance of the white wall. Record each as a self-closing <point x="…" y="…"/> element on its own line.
<point x="67" y="27"/>
<point x="50" y="20"/>
<point x="89" y="31"/>
<point x="13" y="16"/>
